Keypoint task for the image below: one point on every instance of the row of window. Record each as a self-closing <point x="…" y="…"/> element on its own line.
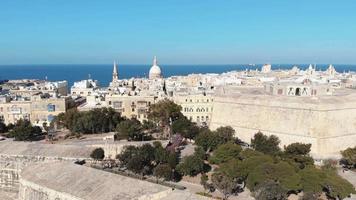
<point x="197" y="109"/>
<point x="202" y="118"/>
<point x="202" y="100"/>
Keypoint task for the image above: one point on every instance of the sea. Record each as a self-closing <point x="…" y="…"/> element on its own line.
<point x="103" y="72"/>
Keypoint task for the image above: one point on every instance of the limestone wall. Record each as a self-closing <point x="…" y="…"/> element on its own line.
<point x="328" y="127"/>
<point x="11" y="166"/>
<point x="32" y="191"/>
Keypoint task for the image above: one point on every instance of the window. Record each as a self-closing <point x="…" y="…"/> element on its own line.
<point x="133" y="109"/>
<point x="51" y="108"/>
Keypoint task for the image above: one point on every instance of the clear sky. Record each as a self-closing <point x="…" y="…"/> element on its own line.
<point x="177" y="31"/>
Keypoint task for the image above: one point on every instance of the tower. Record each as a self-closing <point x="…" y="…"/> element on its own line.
<point x="115" y="75"/>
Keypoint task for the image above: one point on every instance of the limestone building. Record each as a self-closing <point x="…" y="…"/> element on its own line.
<point x="198" y="108"/>
<point x="84" y="88"/>
<point x="37" y="108"/>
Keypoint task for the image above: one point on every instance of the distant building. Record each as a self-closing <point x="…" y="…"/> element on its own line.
<point x="266" y="68"/>
<point x="84" y="88"/>
<point x="38" y="109"/>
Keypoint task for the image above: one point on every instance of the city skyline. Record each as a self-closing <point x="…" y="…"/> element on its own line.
<point x="179" y="32"/>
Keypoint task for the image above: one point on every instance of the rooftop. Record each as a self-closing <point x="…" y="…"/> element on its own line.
<point x="90" y="184"/>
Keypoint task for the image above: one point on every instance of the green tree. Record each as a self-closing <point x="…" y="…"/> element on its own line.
<point x="270" y="190"/>
<point x="224" y="184"/>
<point x="163" y="113"/>
<point x="193" y="164"/>
<point x="225" y="134"/>
<point x="3" y="128"/>
<point x="265" y="144"/>
<point x="316" y="181"/>
<point x="297" y="149"/>
<point x="163" y="171"/>
<point x="185" y="127"/>
<point x="298" y="154"/>
<point x="349" y="157"/>
<point x="130" y="129"/>
<point x="225" y="152"/>
<point x="98" y="154"/>
<point x="281" y="172"/>
<point x="207" y="139"/>
<point x="24" y="131"/>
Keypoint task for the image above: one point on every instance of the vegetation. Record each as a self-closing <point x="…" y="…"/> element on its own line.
<point x="185" y="128"/>
<point x="163" y="171"/>
<point x="98" y="154"/>
<point x="130" y="129"/>
<point x="270" y="173"/>
<point x="149" y="159"/>
<point x="3" y="127"/>
<point x="194" y="164"/>
<point x="164" y="113"/>
<point x="225" y="152"/>
<point x="210" y="140"/>
<point x="24" y="131"/>
<point x="349" y="157"/>
<point x="265" y="144"/>
<point x="98" y="120"/>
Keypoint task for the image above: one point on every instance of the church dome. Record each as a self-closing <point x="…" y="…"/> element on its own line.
<point x="155" y="71"/>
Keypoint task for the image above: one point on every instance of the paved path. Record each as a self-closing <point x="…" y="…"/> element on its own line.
<point x="194" y="188"/>
<point x="351" y="177"/>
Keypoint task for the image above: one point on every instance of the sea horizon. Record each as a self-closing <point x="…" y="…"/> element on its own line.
<point x="103" y="72"/>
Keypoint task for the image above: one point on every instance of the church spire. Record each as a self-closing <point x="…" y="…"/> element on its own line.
<point x="155" y="61"/>
<point x="115" y="75"/>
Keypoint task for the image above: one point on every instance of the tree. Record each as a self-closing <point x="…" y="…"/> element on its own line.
<point x="98" y="154"/>
<point x="349" y="157"/>
<point x="193" y="164"/>
<point x="24" y="131"/>
<point x="225" y="134"/>
<point x="207" y="139"/>
<point x="298" y="154"/>
<point x="225" y="152"/>
<point x="185" y="127"/>
<point x="163" y="171"/>
<point x="3" y="128"/>
<point x="224" y="184"/>
<point x="129" y="129"/>
<point x="88" y="122"/>
<point x="281" y="172"/>
<point x="297" y="149"/>
<point x="265" y="144"/>
<point x="163" y="113"/>
<point x="204" y="181"/>
<point x="270" y="190"/>
<point x="315" y="181"/>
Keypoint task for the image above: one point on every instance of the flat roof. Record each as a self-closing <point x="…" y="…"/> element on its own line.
<point x="89" y="183"/>
<point x="14" y="148"/>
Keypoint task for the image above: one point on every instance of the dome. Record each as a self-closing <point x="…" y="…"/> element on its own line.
<point x="155" y="71"/>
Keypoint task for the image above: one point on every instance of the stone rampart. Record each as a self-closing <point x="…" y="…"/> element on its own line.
<point x="328" y="124"/>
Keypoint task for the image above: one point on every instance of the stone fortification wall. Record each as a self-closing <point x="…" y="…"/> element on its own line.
<point x="67" y="181"/>
<point x="15" y="156"/>
<point x="329" y="124"/>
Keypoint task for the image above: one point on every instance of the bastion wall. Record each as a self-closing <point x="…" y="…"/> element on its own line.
<point x="328" y="124"/>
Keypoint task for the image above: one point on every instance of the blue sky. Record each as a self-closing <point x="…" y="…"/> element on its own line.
<point x="177" y="31"/>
